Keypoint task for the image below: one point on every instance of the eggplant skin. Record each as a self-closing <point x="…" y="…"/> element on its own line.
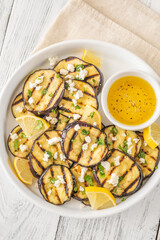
<point x="98" y="90"/>
<point x="43" y="113"/>
<point x="43" y="174"/>
<point x="84" y="124"/>
<point x="95" y="171"/>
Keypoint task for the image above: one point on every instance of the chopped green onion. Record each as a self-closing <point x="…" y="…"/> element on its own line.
<point x="16" y="142"/>
<point x="29" y="93"/>
<point x="44" y="91"/>
<point x="100" y="141"/>
<point x="79" y="67"/>
<point x="84" y="132"/>
<point x="91" y="115"/>
<point x="39" y="125"/>
<point x="89" y="179"/>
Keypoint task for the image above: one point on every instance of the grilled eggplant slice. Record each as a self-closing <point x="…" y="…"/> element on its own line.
<point x="18" y="107"/>
<point x="128" y="174"/>
<point x="94" y="76"/>
<point x="75" y="147"/>
<point x="127" y="141"/>
<point x="89" y="98"/>
<point x="147" y="158"/>
<point x="38" y="159"/>
<point x="84" y="178"/>
<point x="56" y="184"/>
<point x="18" y="143"/>
<point x="41" y="101"/>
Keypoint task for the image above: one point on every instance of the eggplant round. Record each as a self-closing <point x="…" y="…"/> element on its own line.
<point x="84" y="178"/>
<point x="74" y="143"/>
<point x="56" y="184"/>
<point x="17" y="146"/>
<point x="147" y="158"/>
<point x="37" y="160"/>
<point x="117" y="139"/>
<point x="94" y="75"/>
<point x="43" y="100"/>
<point x="128" y="174"/>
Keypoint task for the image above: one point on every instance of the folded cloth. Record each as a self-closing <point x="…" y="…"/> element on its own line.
<point x="127" y="23"/>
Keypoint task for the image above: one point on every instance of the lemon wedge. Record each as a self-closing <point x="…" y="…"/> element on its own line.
<point x="151" y="135"/>
<point x="32" y="126"/>
<point x="100" y="198"/>
<point x="91" y="116"/>
<point x="90" y="57"/>
<point x="21" y="166"/>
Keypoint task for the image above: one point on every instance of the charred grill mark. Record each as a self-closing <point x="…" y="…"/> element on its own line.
<point x="125" y="190"/>
<point x="45" y="134"/>
<point x="54" y="94"/>
<point x="55" y="125"/>
<point x="42" y="184"/>
<point x="91" y="76"/>
<point x="65" y="179"/>
<point x="52" y="174"/>
<point x="69" y="59"/>
<point x="70" y="143"/>
<point x="67" y="99"/>
<point x="19" y="101"/>
<point x="147" y="168"/>
<point x="65" y="109"/>
<point x="89" y="94"/>
<point x="147" y="153"/>
<point x="39" y="164"/>
<point x="41" y="147"/>
<point x="93" y="151"/>
<point x="81" y="152"/>
<point x="56" y="193"/>
<point x="19" y="131"/>
<point x="87" y="65"/>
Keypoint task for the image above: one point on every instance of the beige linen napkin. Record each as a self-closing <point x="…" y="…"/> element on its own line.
<point x="127" y="23"/>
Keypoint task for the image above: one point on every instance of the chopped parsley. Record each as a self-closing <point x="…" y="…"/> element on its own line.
<point x="23" y="135"/>
<point x="120" y="178"/>
<point x="89" y="179"/>
<point x="81" y="140"/>
<point x="112" y="164"/>
<point x="39" y="125"/>
<point x="73" y="140"/>
<point x="83" y="90"/>
<point x="156" y="167"/>
<point x="141" y="154"/>
<point x="77" y="107"/>
<point x="58" y="75"/>
<point x="62" y="112"/>
<point x="66" y="86"/>
<point x="127" y="133"/>
<point x="50" y="154"/>
<point x="59" y="120"/>
<point x="114" y="131"/>
<point x="29" y="93"/>
<point x="84" y="132"/>
<point x="101" y="170"/>
<point x="16" y="142"/>
<point x="52" y="180"/>
<point x="93" y="80"/>
<point x="51" y="95"/>
<point x="39" y="113"/>
<point x="123" y="199"/>
<point x="109" y="143"/>
<point x="67" y="120"/>
<point x="100" y="141"/>
<point x="84" y="192"/>
<point x="125" y="148"/>
<point x="75" y="188"/>
<point x="44" y="91"/>
<point x="108" y="155"/>
<point x="79" y="67"/>
<point x="54" y="110"/>
<point x="91" y="115"/>
<point x="115" y="190"/>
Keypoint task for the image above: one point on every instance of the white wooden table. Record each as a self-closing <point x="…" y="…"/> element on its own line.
<point x="22" y="24"/>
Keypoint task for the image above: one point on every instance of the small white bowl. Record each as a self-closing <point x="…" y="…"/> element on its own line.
<point x="136" y="73"/>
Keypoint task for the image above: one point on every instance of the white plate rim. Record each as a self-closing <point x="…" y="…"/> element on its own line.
<point x="9" y="88"/>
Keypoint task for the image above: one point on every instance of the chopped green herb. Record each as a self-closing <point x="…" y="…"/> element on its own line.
<point x="123" y="199"/>
<point x="67" y="120"/>
<point x="115" y="190"/>
<point x="108" y="155"/>
<point x="79" y="67"/>
<point x="29" y="93"/>
<point x="141" y="154"/>
<point x="114" y="131"/>
<point x="66" y="86"/>
<point x="109" y="143"/>
<point x="77" y="78"/>
<point x="91" y="115"/>
<point x="57" y="75"/>
<point x="62" y="112"/>
<point x="44" y="91"/>
<point x="52" y="180"/>
<point x="84" y="132"/>
<point x="54" y="110"/>
<point x="127" y="133"/>
<point x="23" y="135"/>
<point x="75" y="188"/>
<point x="101" y="170"/>
<point x="51" y="95"/>
<point x="145" y="162"/>
<point x="84" y="192"/>
<point x="120" y="178"/>
<point x="89" y="179"/>
<point x="16" y="142"/>
<point x="59" y="120"/>
<point x="50" y="154"/>
<point x="93" y="80"/>
<point x="100" y="141"/>
<point x="39" y="125"/>
<point x="125" y="148"/>
<point x="83" y="90"/>
<point x="156" y="167"/>
<point x="77" y="107"/>
<point x="73" y="140"/>
<point x="81" y="140"/>
<point x="112" y="164"/>
<point x="39" y="113"/>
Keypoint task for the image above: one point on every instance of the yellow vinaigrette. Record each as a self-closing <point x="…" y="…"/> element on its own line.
<point x="131" y="100"/>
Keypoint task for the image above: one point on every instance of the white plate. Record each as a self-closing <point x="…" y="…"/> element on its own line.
<point x="114" y="59"/>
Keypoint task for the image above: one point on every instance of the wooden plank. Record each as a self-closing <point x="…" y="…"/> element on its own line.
<point x="5" y="11"/>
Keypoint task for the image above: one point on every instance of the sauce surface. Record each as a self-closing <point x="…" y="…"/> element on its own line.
<point x="131" y="100"/>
